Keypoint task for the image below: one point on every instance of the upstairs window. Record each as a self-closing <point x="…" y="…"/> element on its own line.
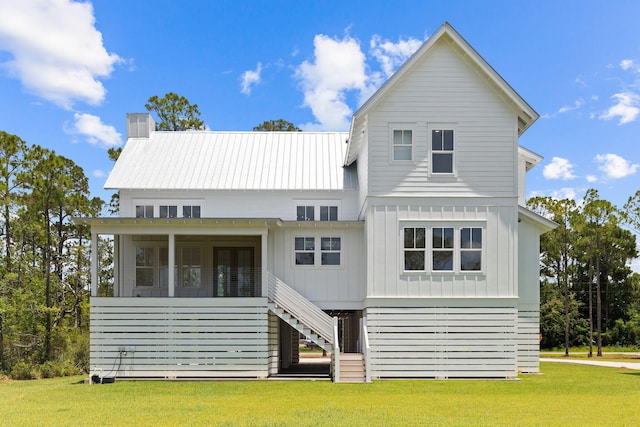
<point x="328" y="213"/>
<point x="471" y="249"/>
<point x="402" y="144"/>
<point x="191" y="211"/>
<point x="144" y="211"/>
<point x="442" y="150"/>
<point x="414" y="249"/>
<point x="168" y="211"/>
<point x="305" y="213"/>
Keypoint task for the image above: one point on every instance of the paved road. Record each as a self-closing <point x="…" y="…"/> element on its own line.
<point x="624" y="365"/>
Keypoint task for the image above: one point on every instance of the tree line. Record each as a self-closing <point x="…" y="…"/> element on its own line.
<point x="44" y="267"/>
<point x="589" y="295"/>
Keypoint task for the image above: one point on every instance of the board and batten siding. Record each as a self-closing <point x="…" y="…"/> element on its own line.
<point x="529" y="297"/>
<point x="385" y="223"/>
<point x="179" y="337"/>
<point x="329" y="287"/>
<point x="444" y="91"/>
<point x="442" y="338"/>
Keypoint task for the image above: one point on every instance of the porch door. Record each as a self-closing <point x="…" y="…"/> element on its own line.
<point x="234" y="272"/>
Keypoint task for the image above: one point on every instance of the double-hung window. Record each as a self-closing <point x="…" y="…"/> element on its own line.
<point x="330" y="250"/>
<point x="471" y="249"/>
<point x="442" y="246"/>
<point x="442" y="151"/>
<point x="402" y="144"/>
<point x="414" y="248"/>
<point x="305" y="250"/>
<point x="191" y="267"/>
<point x="145" y="265"/>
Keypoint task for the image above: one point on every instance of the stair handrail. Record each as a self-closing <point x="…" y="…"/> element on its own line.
<point x="301" y="308"/>
<point x="336" y="352"/>
<point x="366" y="350"/>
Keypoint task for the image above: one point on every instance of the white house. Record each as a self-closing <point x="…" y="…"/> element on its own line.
<point x="402" y="246"/>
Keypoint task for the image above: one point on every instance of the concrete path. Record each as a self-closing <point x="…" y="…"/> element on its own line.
<point x="623" y="365"/>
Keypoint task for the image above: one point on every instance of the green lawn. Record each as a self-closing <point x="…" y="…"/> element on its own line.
<point x="564" y="395"/>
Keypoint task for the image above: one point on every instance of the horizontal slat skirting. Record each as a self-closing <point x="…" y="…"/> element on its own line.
<point x="149" y="337"/>
<point x="447" y="342"/>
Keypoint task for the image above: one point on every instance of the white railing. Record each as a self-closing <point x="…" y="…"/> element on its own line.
<point x="336" y="352"/>
<point x="365" y="349"/>
<point x="302" y="309"/>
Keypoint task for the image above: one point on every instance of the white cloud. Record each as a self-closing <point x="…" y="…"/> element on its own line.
<point x="577" y="104"/>
<point x="99" y="173"/>
<point x="95" y="132"/>
<point x="559" y="168"/>
<point x="250" y="78"/>
<point x="615" y="166"/>
<point x="592" y="178"/>
<point x="630" y="64"/>
<point x="627" y="108"/>
<point x="391" y="55"/>
<point x="338" y="67"/>
<point x="564" y="193"/>
<point x="55" y="50"/>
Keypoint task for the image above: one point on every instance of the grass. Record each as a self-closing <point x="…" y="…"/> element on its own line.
<point x="564" y="395"/>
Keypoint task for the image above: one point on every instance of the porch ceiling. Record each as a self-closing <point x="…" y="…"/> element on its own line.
<point x="177" y="225"/>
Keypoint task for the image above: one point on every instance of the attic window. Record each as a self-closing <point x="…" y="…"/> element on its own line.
<point x="168" y="211"/>
<point x="191" y="211"/>
<point x="402" y="144"/>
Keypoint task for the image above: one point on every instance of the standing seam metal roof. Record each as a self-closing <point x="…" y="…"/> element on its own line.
<point x="201" y="160"/>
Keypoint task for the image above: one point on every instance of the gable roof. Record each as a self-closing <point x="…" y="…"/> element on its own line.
<point x="199" y="160"/>
<point x="526" y="114"/>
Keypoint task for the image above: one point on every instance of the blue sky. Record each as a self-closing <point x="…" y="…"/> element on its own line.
<point x="69" y="71"/>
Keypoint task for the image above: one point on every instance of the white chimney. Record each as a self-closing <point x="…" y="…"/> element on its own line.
<point x="140" y="125"/>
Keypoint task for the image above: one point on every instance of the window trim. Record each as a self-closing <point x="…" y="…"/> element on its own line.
<point x="457" y="249"/>
<point x="317" y="250"/>
<point x="432" y="127"/>
<point x="409" y="127"/>
<point x="156" y="267"/>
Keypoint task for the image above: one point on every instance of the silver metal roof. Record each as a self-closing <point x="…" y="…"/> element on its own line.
<point x="199" y="160"/>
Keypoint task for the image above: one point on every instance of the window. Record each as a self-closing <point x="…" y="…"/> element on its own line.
<point x="305" y="213"/>
<point x="163" y="266"/>
<point x="402" y="144"/>
<point x="442" y="245"/>
<point x="305" y="248"/>
<point x="145" y="258"/>
<point x="442" y="151"/>
<point x="330" y="250"/>
<point x="471" y="249"/>
<point x="144" y="211"/>
<point x="191" y="267"/>
<point x="191" y="211"/>
<point x="168" y="211"/>
<point x="328" y="213"/>
<point x="414" y="249"/>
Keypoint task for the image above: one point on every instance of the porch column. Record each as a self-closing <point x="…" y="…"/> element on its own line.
<point x="265" y="279"/>
<point x="172" y="264"/>
<point x="94" y="264"/>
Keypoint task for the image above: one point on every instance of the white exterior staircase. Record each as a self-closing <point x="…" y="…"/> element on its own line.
<point x="352" y="368"/>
